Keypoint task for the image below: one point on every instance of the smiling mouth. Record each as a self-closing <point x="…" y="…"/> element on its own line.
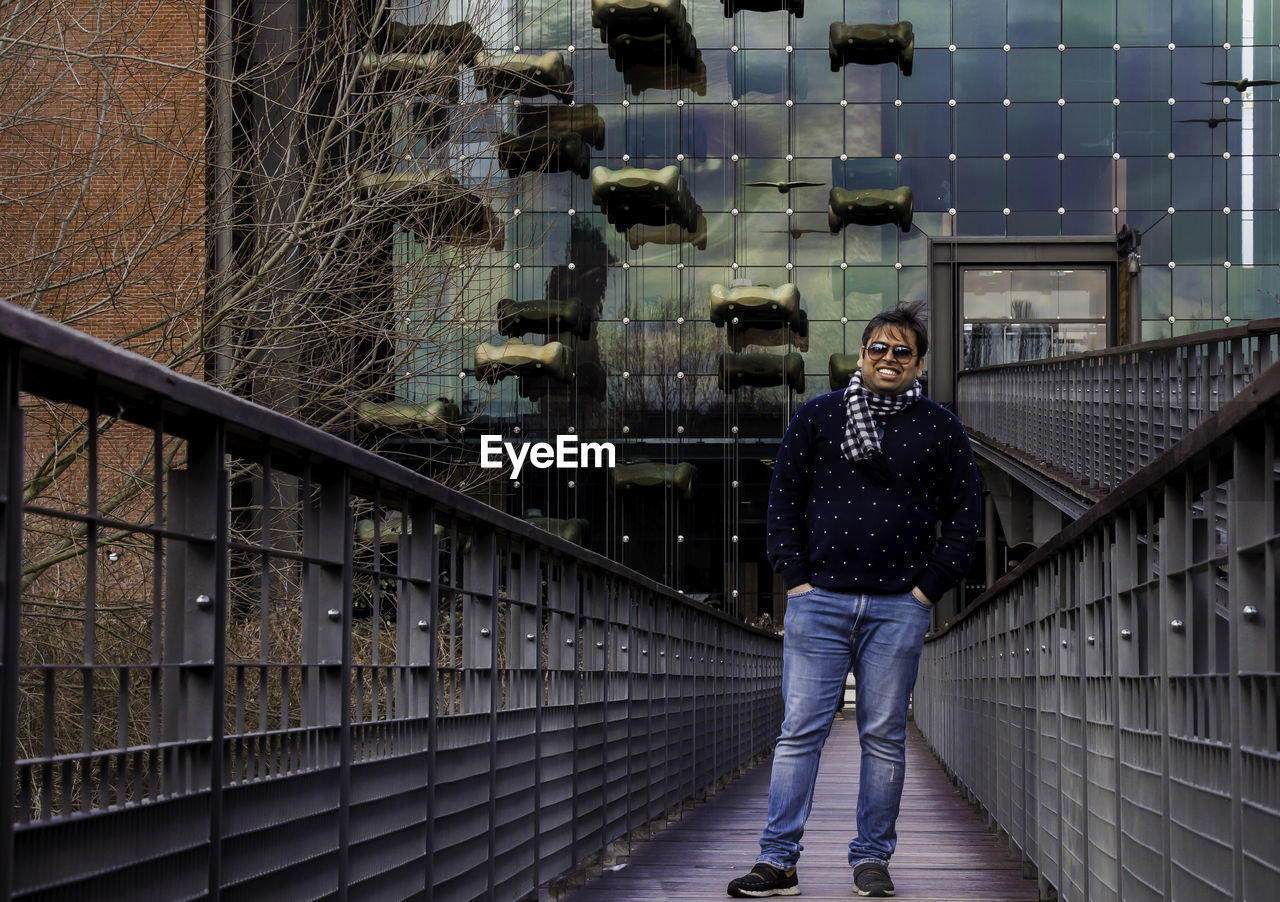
<point x="888" y="373"/>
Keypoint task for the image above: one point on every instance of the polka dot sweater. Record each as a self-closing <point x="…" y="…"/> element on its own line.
<point x="872" y="526"/>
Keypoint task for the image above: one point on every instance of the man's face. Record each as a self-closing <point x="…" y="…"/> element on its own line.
<point x="887" y="375"/>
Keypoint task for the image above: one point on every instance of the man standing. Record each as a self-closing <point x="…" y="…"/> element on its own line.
<point x="863" y="479"/>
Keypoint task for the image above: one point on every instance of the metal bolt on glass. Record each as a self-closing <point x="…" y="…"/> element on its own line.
<point x="335" y="614"/>
<point x="1250" y="612"/>
<point x="203" y="601"/>
<point x="1175" y="625"/>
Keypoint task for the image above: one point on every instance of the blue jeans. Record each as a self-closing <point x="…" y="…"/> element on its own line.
<point x="827" y="633"/>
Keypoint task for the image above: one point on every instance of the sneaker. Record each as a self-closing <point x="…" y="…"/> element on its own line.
<point x="765" y="880"/>
<point x="872" y="879"/>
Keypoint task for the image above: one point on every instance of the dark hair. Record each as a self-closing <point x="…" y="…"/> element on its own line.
<point x="904" y="316"/>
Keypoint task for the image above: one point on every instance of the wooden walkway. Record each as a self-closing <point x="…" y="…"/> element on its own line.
<point x="945" y="851"/>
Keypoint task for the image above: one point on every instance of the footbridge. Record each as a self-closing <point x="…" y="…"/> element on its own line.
<point x="246" y="659"/>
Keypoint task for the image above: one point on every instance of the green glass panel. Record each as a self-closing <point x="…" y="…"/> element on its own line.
<point x="1088" y="129"/>
<point x="1033" y="75"/>
<point x="1145" y="183"/>
<point x="1144" y="73"/>
<point x="870" y="244"/>
<point x="763" y="130"/>
<point x="1089" y="23"/>
<point x="1088" y="183"/>
<point x="869" y="290"/>
<point x="1035" y="129"/>
<point x="821" y="292"/>
<point x="1264" y="22"/>
<point x="869" y="129"/>
<point x="760" y="241"/>
<point x="1253" y="292"/>
<point x="931" y="20"/>
<point x="761" y="75"/>
<point x="1144" y="22"/>
<point x="819" y="129"/>
<point x="1263" y="192"/>
<point x="823" y="342"/>
<point x="930" y="181"/>
<point x="1033" y="183"/>
<point x="1088" y="73"/>
<point x="812" y="31"/>
<point x="924" y="130"/>
<point x="1144" y="128"/>
<point x="914" y="246"/>
<point x="1194" y="291"/>
<point x="812" y="242"/>
<point x="1156" y="303"/>
<point x="1199" y="183"/>
<point x="1199" y="237"/>
<point x="913" y="283"/>
<point x="765" y="169"/>
<point x="706" y="18"/>
<point x="979" y="75"/>
<point x="719" y="83"/>
<point x="980" y="223"/>
<point x="814" y="81"/>
<point x="1202" y="22"/>
<point x="862" y="172"/>
<point x="979" y="23"/>
<point x="1035" y="23"/>
<point x="930" y="80"/>
<point x="980" y="129"/>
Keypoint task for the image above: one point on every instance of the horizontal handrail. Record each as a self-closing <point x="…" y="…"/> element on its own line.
<point x="213" y="682"/>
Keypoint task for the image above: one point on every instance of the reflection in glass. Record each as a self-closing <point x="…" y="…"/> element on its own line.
<point x="1028" y="314"/>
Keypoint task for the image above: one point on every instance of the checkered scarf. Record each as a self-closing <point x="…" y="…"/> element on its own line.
<point x="862" y="407"/>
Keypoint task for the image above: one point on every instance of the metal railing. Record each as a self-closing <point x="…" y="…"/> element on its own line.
<point x="1114" y="702"/>
<point x="243" y="657"/>
<point x="1098" y="418"/>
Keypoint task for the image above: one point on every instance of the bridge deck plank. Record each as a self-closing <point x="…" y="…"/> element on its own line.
<point x="945" y="851"/>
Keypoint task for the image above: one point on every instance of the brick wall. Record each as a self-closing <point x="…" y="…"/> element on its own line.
<point x="102" y="179"/>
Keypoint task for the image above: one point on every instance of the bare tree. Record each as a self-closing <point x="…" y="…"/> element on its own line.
<point x="292" y="207"/>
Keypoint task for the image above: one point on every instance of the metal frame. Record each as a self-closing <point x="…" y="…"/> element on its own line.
<point x="951" y="254"/>
<point x="1112" y="702"/>
<point x="1093" y="420"/>
<point x="459" y="707"/>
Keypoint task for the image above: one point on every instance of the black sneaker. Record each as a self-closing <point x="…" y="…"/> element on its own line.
<point x="872" y="879"/>
<point x="765" y="880"/>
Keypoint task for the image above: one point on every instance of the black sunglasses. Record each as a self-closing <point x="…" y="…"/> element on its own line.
<point x="900" y="353"/>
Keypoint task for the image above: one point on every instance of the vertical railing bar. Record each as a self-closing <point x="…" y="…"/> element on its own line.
<point x="14" y="444"/>
<point x="533" y="579"/>
<point x="490" y="576"/>
<point x="216" y="469"/>
<point x="264" y="586"/>
<point x="431" y="543"/>
<point x="90" y="602"/>
<point x="158" y="510"/>
<point x="343" y="512"/>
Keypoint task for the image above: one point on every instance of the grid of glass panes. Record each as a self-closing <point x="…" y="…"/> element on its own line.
<point x="1035" y="118"/>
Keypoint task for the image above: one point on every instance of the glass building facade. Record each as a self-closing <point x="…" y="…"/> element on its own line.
<point x="1019" y="118"/>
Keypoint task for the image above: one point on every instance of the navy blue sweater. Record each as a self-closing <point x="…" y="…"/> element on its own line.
<point x="870" y="526"/>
